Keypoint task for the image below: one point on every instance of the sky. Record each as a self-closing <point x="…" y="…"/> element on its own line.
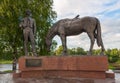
<point x="107" y="11"/>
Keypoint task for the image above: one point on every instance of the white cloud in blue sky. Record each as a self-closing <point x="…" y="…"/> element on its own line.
<point x="107" y="11"/>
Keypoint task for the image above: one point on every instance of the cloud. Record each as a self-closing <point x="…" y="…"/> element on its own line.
<point x="86" y="7"/>
<point x="107" y="11"/>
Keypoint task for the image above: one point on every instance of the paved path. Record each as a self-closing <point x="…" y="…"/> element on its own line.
<point x="7" y="78"/>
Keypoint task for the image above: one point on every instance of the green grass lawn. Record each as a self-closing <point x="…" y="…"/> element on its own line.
<point x="5" y="62"/>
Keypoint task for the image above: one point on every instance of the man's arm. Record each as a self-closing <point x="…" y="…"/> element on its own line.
<point x="22" y="24"/>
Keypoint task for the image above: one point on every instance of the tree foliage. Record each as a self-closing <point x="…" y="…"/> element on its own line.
<point x="59" y="50"/>
<point x="72" y="51"/>
<point x="11" y="12"/>
<point x="77" y="51"/>
<point x="113" y="54"/>
<point x="53" y="47"/>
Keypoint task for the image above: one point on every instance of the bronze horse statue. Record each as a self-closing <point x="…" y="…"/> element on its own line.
<point x="75" y="26"/>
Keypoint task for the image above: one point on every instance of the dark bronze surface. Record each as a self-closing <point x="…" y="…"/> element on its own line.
<point x="28" y="25"/>
<point x="69" y="27"/>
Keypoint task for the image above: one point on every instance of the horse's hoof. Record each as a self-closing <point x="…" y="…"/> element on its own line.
<point x="64" y="54"/>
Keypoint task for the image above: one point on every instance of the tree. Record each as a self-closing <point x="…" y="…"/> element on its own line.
<point x="113" y="55"/>
<point x="72" y="51"/>
<point x="53" y="47"/>
<point x="59" y="50"/>
<point x="80" y="51"/>
<point x="12" y="11"/>
<point x="77" y="51"/>
<point x="96" y="52"/>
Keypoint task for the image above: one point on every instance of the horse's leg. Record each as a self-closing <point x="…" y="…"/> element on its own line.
<point x="63" y="38"/>
<point x="102" y="48"/>
<point x="92" y="39"/>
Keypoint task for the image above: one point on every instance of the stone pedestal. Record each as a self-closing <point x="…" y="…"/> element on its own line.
<point x="64" y="66"/>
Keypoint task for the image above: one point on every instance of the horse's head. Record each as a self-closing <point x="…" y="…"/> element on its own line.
<point x="48" y="39"/>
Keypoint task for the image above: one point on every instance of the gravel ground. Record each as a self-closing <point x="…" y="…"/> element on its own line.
<point x="7" y="78"/>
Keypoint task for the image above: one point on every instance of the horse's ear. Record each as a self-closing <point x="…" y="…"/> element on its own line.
<point x="77" y="16"/>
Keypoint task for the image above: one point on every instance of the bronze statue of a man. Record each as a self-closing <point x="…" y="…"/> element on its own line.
<point x="28" y="25"/>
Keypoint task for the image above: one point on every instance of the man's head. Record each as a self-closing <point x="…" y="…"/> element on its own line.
<point x="28" y="12"/>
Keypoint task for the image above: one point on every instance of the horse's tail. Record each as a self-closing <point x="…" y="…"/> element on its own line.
<point x="98" y="33"/>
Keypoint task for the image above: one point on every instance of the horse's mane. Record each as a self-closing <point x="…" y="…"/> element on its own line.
<point x="53" y="26"/>
<point x="52" y="29"/>
<point x="56" y="24"/>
